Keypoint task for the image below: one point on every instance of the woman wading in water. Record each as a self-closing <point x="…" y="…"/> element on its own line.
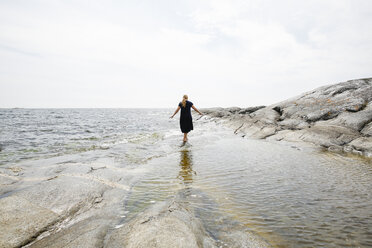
<point x="186" y="118"/>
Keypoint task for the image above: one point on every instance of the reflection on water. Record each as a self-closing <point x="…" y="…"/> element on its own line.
<point x="186" y="171"/>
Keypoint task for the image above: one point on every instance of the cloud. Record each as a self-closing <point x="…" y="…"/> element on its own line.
<point x="220" y="52"/>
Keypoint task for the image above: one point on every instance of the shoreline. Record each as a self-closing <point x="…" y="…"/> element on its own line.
<point x="335" y="117"/>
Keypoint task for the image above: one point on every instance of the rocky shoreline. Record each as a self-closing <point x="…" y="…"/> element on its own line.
<point x="337" y="117"/>
<point x="67" y="204"/>
<point x="62" y="203"/>
<point x="79" y="210"/>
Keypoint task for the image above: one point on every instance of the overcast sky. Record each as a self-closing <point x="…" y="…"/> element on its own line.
<point x="146" y="53"/>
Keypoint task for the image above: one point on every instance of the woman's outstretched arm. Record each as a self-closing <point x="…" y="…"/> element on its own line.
<point x="175" y="112"/>
<point x="196" y="109"/>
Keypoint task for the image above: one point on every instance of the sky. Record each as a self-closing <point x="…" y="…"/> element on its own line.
<point x="148" y="54"/>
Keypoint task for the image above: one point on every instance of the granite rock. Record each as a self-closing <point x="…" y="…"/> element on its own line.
<point x="331" y="116"/>
<point x="165" y="225"/>
<point x="21" y="221"/>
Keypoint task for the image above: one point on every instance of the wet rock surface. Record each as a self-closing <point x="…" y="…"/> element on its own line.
<point x="21" y="221"/>
<point x="83" y="205"/>
<point x="337" y="117"/>
<point x="172" y="224"/>
<point x="87" y="233"/>
<point x="164" y="225"/>
<point x="59" y="205"/>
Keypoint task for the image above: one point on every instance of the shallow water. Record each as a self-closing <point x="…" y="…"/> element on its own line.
<point x="290" y="196"/>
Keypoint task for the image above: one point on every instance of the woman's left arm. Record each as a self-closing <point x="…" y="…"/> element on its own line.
<point x="196" y="109"/>
<point x="178" y="109"/>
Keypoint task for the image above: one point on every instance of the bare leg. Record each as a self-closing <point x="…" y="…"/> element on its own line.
<point x="184" y="137"/>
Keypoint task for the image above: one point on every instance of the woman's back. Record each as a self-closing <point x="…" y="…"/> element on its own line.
<point x="186" y="111"/>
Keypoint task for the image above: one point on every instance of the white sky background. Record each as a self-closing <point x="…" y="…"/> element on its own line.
<point x="146" y="53"/>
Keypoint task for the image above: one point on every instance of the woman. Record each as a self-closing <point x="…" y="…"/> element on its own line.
<point x="186" y="118"/>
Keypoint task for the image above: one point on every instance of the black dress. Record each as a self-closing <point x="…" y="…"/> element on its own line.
<point x="186" y="118"/>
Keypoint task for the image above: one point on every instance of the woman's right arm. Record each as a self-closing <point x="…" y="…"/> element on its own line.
<point x="175" y="112"/>
<point x="196" y="109"/>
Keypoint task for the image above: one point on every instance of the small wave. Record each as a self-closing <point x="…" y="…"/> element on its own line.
<point x="86" y="138"/>
<point x="122" y="141"/>
<point x="145" y="138"/>
<point x="139" y="159"/>
<point x="172" y="133"/>
<point x="92" y="148"/>
<point x="30" y="150"/>
<point x="46" y="130"/>
<point x="104" y="146"/>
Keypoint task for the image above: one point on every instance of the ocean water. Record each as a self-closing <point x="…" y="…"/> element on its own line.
<point x="289" y="196"/>
<point x="42" y="133"/>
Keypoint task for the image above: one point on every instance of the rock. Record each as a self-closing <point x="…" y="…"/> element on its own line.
<point x="233" y="110"/>
<point x="237" y="239"/>
<point x="350" y="149"/>
<point x="257" y="131"/>
<point x="328" y="135"/>
<point x="71" y="199"/>
<point x="166" y="225"/>
<point x="22" y="221"/>
<point x="87" y="233"/>
<point x="293" y="124"/>
<point x="250" y="110"/>
<point x="367" y="130"/>
<point x="260" y="124"/>
<point x="355" y="121"/>
<point x="265" y="116"/>
<point x="7" y="183"/>
<point x="321" y="135"/>
<point x="363" y="144"/>
<point x="225" y="112"/>
<point x="330" y="116"/>
<point x="216" y="112"/>
<point x="64" y="194"/>
<point x="335" y="148"/>
<point x="328" y="102"/>
<point x="170" y="224"/>
<point x="287" y="135"/>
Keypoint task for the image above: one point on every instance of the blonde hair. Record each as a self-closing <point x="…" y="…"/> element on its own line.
<point x="184" y="99"/>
